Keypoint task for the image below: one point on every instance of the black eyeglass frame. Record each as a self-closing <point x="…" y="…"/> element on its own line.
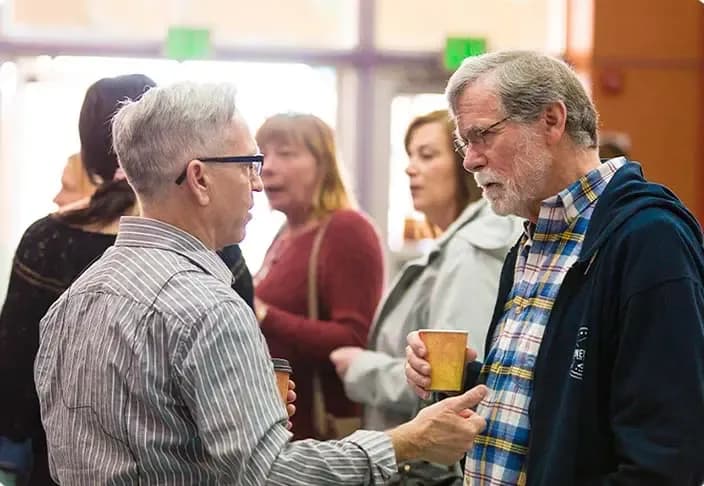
<point x="256" y="160"/>
<point x="461" y="146"/>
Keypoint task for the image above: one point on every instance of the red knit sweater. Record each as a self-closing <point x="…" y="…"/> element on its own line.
<point x="350" y="278"/>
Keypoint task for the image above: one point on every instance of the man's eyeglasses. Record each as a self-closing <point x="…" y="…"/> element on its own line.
<point x="476" y="137"/>
<point x="256" y="162"/>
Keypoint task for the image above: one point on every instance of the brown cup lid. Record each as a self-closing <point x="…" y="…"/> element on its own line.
<point x="281" y="364"/>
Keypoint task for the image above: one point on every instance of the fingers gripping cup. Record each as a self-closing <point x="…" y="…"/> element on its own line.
<point x="446" y="352"/>
<point x="283" y="371"/>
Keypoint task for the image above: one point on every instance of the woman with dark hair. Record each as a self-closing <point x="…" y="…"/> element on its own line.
<point x="51" y="254"/>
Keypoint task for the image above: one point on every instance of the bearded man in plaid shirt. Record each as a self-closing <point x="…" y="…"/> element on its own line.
<point x="595" y="353"/>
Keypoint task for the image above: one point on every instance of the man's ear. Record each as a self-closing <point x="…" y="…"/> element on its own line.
<point x="198" y="181"/>
<point x="555" y="118"/>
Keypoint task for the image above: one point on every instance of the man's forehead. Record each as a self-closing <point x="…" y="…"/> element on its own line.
<point x="476" y="106"/>
<point x="478" y="99"/>
<point x="241" y="137"/>
<point x="245" y="145"/>
<point x="252" y="146"/>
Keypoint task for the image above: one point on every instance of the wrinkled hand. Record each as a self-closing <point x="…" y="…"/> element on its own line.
<point x="442" y="432"/>
<point x="343" y="357"/>
<point x="290" y="398"/>
<point x="418" y="369"/>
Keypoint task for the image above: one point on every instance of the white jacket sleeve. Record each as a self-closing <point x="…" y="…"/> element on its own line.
<point x="379" y="380"/>
<point x="464" y="294"/>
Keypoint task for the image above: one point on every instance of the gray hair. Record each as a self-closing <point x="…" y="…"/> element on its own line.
<point x="526" y="82"/>
<point x="156" y="136"/>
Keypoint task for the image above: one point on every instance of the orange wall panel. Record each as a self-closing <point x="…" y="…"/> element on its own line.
<point x="660" y="110"/>
<point x="656" y="29"/>
<point x="656" y="49"/>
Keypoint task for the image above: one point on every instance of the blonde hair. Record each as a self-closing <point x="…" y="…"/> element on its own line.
<point x="317" y="137"/>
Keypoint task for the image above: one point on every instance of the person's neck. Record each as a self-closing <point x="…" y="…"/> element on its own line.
<point x="102" y="227"/>
<point x="570" y="166"/>
<point x="184" y="220"/>
<point x="442" y="216"/>
<point x="74" y="205"/>
<point x="299" y="221"/>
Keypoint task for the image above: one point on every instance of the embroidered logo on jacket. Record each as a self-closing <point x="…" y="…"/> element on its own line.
<point x="580" y="353"/>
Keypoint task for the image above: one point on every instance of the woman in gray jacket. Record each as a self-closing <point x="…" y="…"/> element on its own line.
<point x="454" y="286"/>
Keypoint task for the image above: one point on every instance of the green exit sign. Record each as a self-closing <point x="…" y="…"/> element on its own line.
<point x="184" y="43"/>
<point x="457" y="49"/>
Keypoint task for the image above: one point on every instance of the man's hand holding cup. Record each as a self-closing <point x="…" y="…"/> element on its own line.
<point x="418" y="369"/>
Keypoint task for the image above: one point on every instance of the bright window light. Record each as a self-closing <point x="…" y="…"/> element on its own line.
<point x="44" y="103"/>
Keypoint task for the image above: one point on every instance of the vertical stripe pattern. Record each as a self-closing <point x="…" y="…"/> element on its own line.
<point x="151" y="370"/>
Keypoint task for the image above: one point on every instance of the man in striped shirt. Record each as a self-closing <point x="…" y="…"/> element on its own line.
<point x="151" y="370"/>
<point x="595" y="352"/>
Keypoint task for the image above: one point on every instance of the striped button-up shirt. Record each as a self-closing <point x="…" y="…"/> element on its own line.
<point x="151" y="370"/>
<point x="547" y="251"/>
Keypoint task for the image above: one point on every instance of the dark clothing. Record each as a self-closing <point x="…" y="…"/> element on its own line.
<point x="618" y="392"/>
<point x="232" y="256"/>
<point x="50" y="255"/>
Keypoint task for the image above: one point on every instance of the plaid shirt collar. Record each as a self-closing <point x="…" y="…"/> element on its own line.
<point x="559" y="212"/>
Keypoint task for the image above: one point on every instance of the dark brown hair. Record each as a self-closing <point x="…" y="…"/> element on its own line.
<point x="112" y="198"/>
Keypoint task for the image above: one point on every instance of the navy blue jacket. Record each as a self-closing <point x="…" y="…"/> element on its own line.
<point x="618" y="393"/>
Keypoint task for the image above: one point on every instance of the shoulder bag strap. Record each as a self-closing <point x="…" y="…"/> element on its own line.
<point x="320" y="420"/>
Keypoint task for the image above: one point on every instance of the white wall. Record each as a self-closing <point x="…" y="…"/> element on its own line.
<point x="419" y="25"/>
<point x="424" y="24"/>
<point x="326" y="23"/>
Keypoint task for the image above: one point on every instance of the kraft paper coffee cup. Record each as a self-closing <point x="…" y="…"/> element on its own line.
<point x="446" y="351"/>
<point x="283" y="370"/>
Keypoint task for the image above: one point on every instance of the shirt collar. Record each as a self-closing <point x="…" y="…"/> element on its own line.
<point x="566" y="206"/>
<point x="135" y="231"/>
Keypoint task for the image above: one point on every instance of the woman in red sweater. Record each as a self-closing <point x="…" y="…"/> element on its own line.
<point x="302" y="180"/>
